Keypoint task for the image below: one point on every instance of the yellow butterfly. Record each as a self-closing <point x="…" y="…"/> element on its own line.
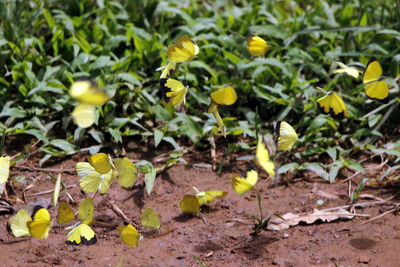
<point x="262" y="158"/>
<point x="353" y="72"/>
<point x="84" y="115"/>
<point x="174" y="90"/>
<point x="168" y="69"/>
<point x="184" y="49"/>
<point x="87" y="92"/>
<point x="39" y="227"/>
<point x="129" y="235"/>
<point x="375" y="86"/>
<point x="205" y="197"/>
<point x="333" y="104"/>
<point x="86" y="210"/>
<point x="65" y="213"/>
<point x="101" y="162"/>
<point x="150" y="219"/>
<point x="18" y="223"/>
<point x="189" y="204"/>
<point x="224" y="96"/>
<point x="91" y="180"/>
<point x="127" y="172"/>
<point x="287" y="136"/>
<point x="242" y="185"/>
<point x="81" y="234"/>
<point x="257" y="46"/>
<point x="4" y="171"/>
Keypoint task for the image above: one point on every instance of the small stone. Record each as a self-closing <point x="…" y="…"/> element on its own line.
<point x="363" y="259"/>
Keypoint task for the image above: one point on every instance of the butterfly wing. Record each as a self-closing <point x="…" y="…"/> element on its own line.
<point x="206" y="197"/>
<point x="88" y="93"/>
<point x="262" y="158"/>
<point x="188" y="44"/>
<point x="39" y="227"/>
<point x="127" y="172"/>
<point x="375" y="87"/>
<point x="150" y="219"/>
<point x="4" y="169"/>
<point x="224" y="96"/>
<point x="86" y="210"/>
<point x="65" y="213"/>
<point x="175" y="91"/>
<point x="18" y="223"/>
<point x="257" y="46"/>
<point x="101" y="162"/>
<point x="242" y="185"/>
<point x="92" y="181"/>
<point x="84" y="115"/>
<point x="81" y="235"/>
<point x="189" y="204"/>
<point x="179" y="54"/>
<point x="129" y="235"/>
<point x="287" y="136"/>
<point x="333" y="104"/>
<point x="169" y="69"/>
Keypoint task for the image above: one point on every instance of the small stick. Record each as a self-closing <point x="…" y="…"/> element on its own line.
<point x="373" y="168"/>
<point x="45" y="169"/>
<point x="364" y="204"/>
<point x="48" y="191"/>
<point x="380" y="215"/>
<point x="119" y="212"/>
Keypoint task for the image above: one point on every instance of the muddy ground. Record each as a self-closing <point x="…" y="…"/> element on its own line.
<point x="220" y="235"/>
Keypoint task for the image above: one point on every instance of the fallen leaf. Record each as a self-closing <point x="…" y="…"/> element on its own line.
<point x="290" y="219"/>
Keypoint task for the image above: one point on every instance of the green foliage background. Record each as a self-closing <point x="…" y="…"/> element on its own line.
<point x="46" y="45"/>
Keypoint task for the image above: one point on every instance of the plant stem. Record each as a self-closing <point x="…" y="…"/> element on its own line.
<point x="260" y="207"/>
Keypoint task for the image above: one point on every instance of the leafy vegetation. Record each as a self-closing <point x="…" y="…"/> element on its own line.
<point x="46" y="45"/>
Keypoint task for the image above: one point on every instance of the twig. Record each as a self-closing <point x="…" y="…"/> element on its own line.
<point x="364" y="204"/>
<point x="119" y="212"/>
<point x="357" y="173"/>
<point x="380" y="215"/>
<point x="48" y="191"/>
<point x="45" y="169"/>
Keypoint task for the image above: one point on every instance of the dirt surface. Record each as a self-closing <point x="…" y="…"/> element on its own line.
<point x="219" y="236"/>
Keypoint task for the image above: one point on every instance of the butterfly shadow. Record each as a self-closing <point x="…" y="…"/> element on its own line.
<point x="254" y="247"/>
<point x="183" y="217"/>
<point x="137" y="195"/>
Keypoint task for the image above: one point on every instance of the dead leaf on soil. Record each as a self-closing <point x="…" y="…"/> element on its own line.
<point x="291" y="219"/>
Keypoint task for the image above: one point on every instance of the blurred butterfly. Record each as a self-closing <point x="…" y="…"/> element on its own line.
<point x="189" y="204"/>
<point x="39" y="227"/>
<point x="257" y="46"/>
<point x="353" y="72"/>
<point x="375" y="86"/>
<point x="127" y="172"/>
<point x="87" y="92"/>
<point x="174" y="90"/>
<point x="333" y="104"/>
<point x="205" y="197"/>
<point x="65" y="213"/>
<point x="84" y="115"/>
<point x="241" y="185"/>
<point x="4" y="171"/>
<point x="129" y="235"/>
<point x="82" y="233"/>
<point x="287" y="136"/>
<point x="91" y="180"/>
<point x="183" y="50"/>
<point x="150" y="219"/>
<point x="262" y="158"/>
<point x="168" y="69"/>
<point x="18" y="223"/>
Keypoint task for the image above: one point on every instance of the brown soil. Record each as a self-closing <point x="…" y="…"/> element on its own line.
<point x="219" y="236"/>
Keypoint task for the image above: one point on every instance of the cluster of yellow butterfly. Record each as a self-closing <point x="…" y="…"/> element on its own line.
<point x="89" y="96"/>
<point x="374" y="84"/>
<point x="97" y="174"/>
<point x="191" y="203"/>
<point x="38" y="226"/>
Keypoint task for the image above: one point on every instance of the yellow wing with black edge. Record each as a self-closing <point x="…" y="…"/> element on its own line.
<point x="174" y="91"/>
<point x="242" y="185"/>
<point x="257" y="46"/>
<point x="39" y="227"/>
<point x="81" y="235"/>
<point x="262" y="158"/>
<point x="129" y="235"/>
<point x="333" y="104"/>
<point x="287" y="136"/>
<point x="374" y="85"/>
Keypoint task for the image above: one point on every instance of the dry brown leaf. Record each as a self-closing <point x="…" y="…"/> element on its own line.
<point x="291" y="219"/>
